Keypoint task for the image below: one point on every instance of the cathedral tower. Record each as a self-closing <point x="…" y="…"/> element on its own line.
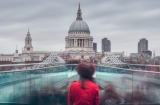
<point x="28" y="43"/>
<point x="79" y="43"/>
<point x="79" y="35"/>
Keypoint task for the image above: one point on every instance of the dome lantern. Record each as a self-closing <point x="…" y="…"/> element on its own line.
<point x="79" y="13"/>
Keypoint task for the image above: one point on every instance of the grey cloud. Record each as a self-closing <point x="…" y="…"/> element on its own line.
<point x="49" y="21"/>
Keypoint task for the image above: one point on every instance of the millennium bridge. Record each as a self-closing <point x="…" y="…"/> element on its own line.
<point x="18" y="83"/>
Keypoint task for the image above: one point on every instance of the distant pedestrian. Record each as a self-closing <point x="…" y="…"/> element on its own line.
<point x="84" y="91"/>
<point x="48" y="96"/>
<point x="110" y="96"/>
<point x="137" y="97"/>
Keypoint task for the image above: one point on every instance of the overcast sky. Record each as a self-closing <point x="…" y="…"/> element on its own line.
<point x="123" y="22"/>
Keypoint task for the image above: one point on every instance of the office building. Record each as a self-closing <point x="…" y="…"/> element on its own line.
<point x="106" y="45"/>
<point x="142" y="45"/>
<point x="95" y="47"/>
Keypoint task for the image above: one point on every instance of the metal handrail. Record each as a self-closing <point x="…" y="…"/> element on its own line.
<point x="31" y="69"/>
<point x="76" y="64"/>
<point x="130" y="69"/>
<point x="23" y="64"/>
<point x="131" y="64"/>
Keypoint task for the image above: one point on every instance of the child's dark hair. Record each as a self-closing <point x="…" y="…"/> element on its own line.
<point x="86" y="71"/>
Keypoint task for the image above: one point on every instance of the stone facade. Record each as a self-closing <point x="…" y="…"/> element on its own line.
<point x="28" y="55"/>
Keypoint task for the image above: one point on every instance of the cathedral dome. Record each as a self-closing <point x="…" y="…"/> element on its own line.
<point x="79" y="26"/>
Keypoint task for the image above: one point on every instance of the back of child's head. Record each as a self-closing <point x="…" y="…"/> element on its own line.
<point x="86" y="70"/>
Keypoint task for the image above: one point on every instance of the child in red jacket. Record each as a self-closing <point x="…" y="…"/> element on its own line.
<point x="84" y="91"/>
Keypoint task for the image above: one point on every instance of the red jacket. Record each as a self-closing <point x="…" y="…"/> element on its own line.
<point x="79" y="96"/>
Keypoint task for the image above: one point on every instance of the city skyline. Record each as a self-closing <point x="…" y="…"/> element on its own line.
<point x="123" y="22"/>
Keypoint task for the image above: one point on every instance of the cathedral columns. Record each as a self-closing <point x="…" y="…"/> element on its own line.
<point x="66" y="42"/>
<point x="78" y="42"/>
<point x="72" y="42"/>
<point x="75" y="42"/>
<point x="82" y="43"/>
<point x="89" y="43"/>
<point x="69" y="42"/>
<point x="85" y="43"/>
